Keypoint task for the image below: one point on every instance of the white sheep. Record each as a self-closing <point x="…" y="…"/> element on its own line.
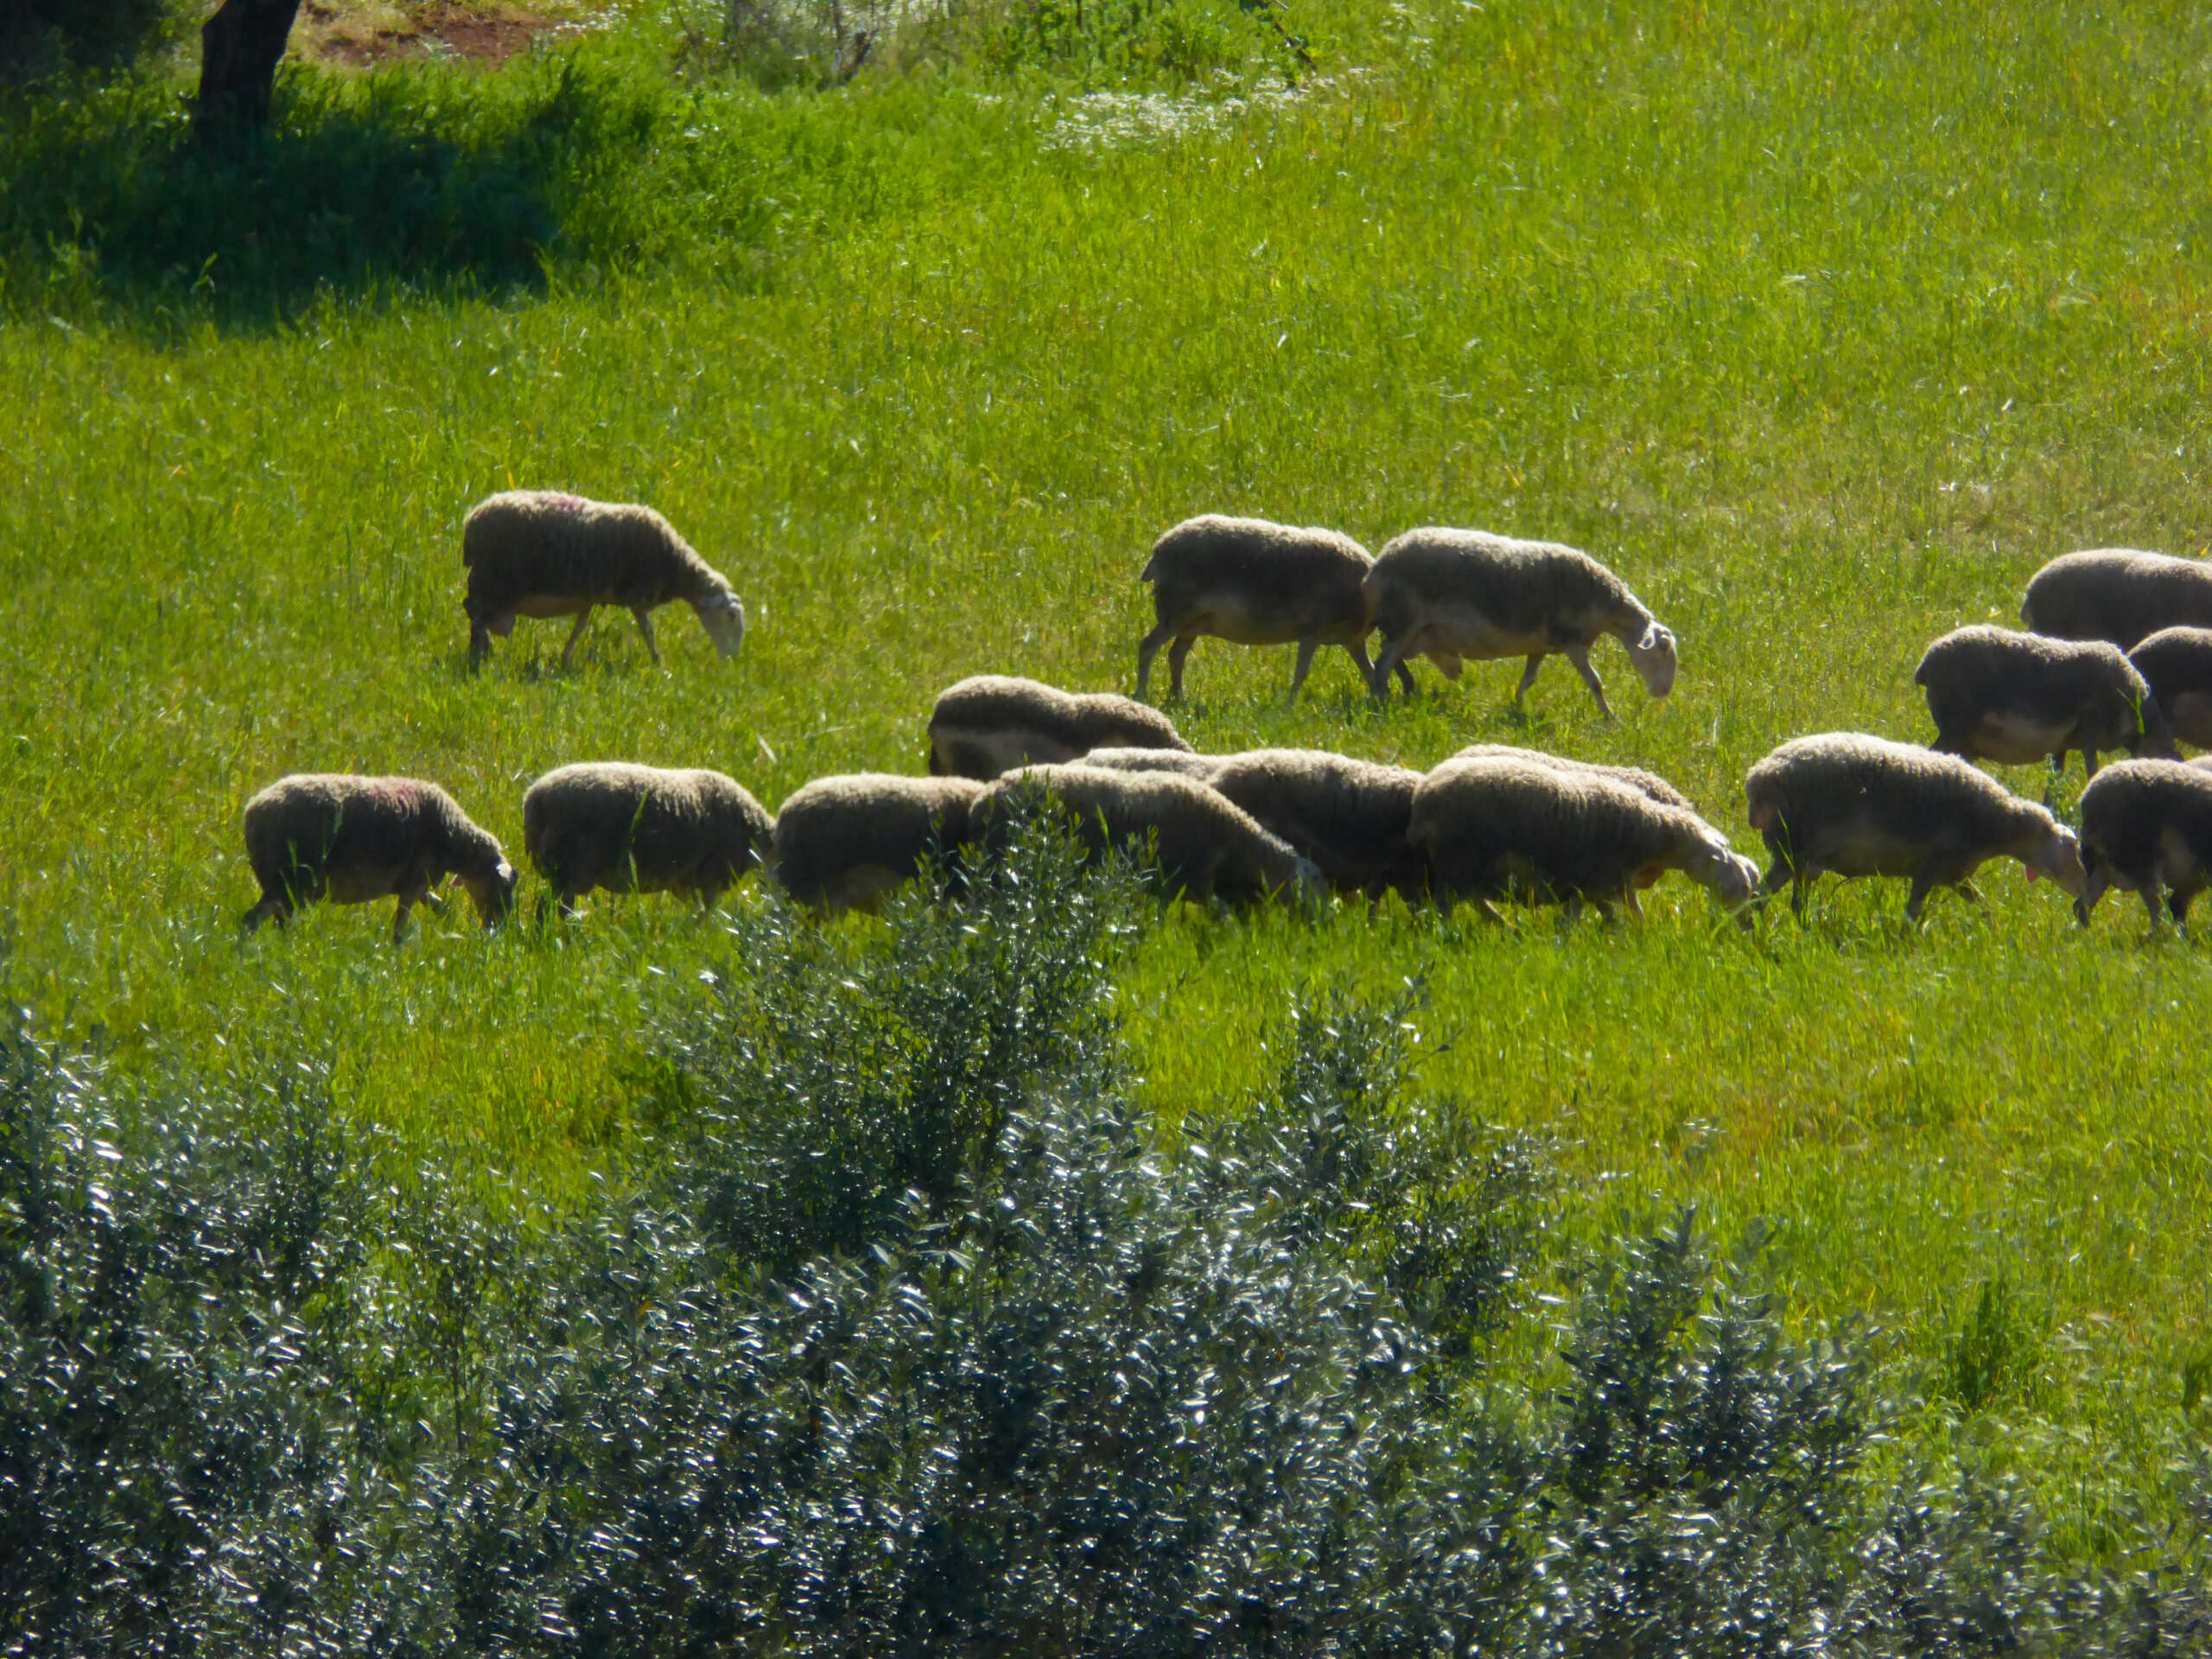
<point x="1648" y="783"/>
<point x="842" y="842"/>
<point x="1862" y="805"/>
<point x="631" y="828"/>
<point x="1453" y="594"/>
<point x="350" y="839"/>
<point x="2176" y="664"/>
<point x="1189" y="764"/>
<point x="2119" y="594"/>
<point x="2147" y="825"/>
<point x="543" y="554"/>
<point x="1257" y="583"/>
<point x="2014" y="698"/>
<point x="1497" y="826"/>
<point x="1350" y="817"/>
<point x="1205" y="847"/>
<point x="992" y="723"/>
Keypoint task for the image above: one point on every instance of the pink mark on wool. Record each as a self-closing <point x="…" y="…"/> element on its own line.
<point x="567" y="503"/>
<point x="400" y="792"/>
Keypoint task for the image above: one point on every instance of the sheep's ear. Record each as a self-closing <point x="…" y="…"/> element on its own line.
<point x="1654" y="635"/>
<point x="505" y="872"/>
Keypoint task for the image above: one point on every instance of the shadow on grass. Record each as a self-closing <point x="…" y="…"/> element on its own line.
<point x="400" y="182"/>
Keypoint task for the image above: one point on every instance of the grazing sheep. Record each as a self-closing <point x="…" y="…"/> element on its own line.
<point x="2013" y="697"/>
<point x="2147" y="825"/>
<point x="1647" y="783"/>
<point x="2176" y="664"/>
<point x="1205" y="847"/>
<point x="538" y="553"/>
<point x="1201" y="766"/>
<point x="2118" y="595"/>
<point x="1862" y="805"/>
<point x="1451" y="593"/>
<point x="843" y="842"/>
<point x="992" y="723"/>
<point x="1349" y="817"/>
<point x="350" y="839"/>
<point x="1495" y="826"/>
<point x="606" y="824"/>
<point x="1257" y="583"/>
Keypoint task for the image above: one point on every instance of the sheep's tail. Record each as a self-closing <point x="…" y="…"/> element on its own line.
<point x="1151" y="571"/>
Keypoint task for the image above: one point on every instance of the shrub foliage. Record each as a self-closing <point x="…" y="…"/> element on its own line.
<point x="916" y="1337"/>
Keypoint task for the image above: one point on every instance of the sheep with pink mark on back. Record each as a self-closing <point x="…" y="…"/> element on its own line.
<point x="540" y="553"/>
<point x="350" y="839"/>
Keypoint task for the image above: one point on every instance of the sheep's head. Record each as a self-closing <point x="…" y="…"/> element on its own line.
<point x="723" y="618"/>
<point x="1723" y="871"/>
<point x="493" y="891"/>
<point x="1654" y="657"/>
<point x="2058" y="856"/>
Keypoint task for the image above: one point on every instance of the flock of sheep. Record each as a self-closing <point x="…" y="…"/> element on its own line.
<point x="2119" y="658"/>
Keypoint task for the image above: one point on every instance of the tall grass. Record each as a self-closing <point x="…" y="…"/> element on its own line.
<point x="1823" y="324"/>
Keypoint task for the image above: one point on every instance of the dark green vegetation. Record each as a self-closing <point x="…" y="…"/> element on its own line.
<point x="1825" y="324"/>
<point x="910" y="1337"/>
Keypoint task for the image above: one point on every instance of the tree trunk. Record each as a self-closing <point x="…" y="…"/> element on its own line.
<point x="239" y="46"/>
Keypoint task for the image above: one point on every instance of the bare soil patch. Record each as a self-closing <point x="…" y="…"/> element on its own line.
<point x="359" y="36"/>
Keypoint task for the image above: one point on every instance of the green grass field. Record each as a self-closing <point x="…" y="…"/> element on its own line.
<point x="1823" y="324"/>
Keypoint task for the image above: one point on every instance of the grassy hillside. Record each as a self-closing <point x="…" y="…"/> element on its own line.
<point x="1825" y="324"/>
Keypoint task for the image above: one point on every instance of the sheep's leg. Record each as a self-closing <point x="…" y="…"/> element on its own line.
<point x="1801" y="883"/>
<point x="2099" y="879"/>
<point x="1358" y="650"/>
<point x="480" y="643"/>
<point x="645" y="626"/>
<point x="1307" y="647"/>
<point x="399" y="920"/>
<point x="1630" y="903"/>
<point x="1147" y="648"/>
<point x="2089" y="762"/>
<point x="1936" y="870"/>
<point x="1177" y="654"/>
<point x="1580" y="656"/>
<point x="1391" y="658"/>
<point x="272" y="908"/>
<point x="2149" y="893"/>
<point x="1770" y="885"/>
<point x="1529" y="676"/>
<point x="575" y="634"/>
